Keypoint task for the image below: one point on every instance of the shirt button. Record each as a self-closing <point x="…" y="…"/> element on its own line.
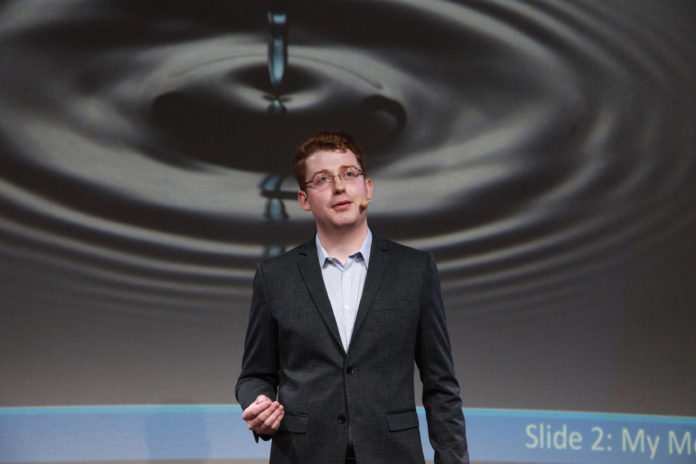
<point x="341" y="419"/>
<point x="350" y="370"/>
<point x="346" y="307"/>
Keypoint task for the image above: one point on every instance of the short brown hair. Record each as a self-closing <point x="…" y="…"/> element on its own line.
<point x="327" y="140"/>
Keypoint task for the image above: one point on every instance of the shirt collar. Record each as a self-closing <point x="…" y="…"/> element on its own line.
<point x="364" y="250"/>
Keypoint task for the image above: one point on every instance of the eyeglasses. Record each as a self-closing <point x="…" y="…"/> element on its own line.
<point x="323" y="180"/>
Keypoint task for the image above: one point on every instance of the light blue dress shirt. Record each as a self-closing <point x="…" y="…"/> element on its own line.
<point x="344" y="284"/>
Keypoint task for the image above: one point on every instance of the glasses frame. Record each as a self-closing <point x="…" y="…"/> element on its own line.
<point x="341" y="173"/>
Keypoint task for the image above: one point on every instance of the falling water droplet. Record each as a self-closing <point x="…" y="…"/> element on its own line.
<point x="277" y="47"/>
<point x="275" y="208"/>
<point x="277" y="63"/>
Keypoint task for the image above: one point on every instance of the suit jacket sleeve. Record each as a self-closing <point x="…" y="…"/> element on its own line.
<point x="441" y="398"/>
<point x="259" y="374"/>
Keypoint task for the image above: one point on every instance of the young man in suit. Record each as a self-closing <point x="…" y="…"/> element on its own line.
<point x="335" y="327"/>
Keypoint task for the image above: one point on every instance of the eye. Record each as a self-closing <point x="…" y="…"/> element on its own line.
<point x="321" y="179"/>
<point x="349" y="174"/>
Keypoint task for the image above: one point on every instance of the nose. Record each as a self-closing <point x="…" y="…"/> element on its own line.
<point x="338" y="184"/>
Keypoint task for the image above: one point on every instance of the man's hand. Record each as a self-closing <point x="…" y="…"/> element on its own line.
<point x="263" y="416"/>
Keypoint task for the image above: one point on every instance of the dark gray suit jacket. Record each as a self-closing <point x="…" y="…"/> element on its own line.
<point x="293" y="350"/>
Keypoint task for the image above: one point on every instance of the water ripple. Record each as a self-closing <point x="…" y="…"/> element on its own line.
<point x="524" y="143"/>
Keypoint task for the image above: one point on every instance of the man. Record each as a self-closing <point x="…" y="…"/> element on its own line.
<point x="335" y="327"/>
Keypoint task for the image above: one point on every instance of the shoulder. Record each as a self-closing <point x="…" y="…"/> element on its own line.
<point x="287" y="260"/>
<point x="400" y="251"/>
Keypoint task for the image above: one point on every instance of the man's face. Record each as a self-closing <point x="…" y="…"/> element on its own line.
<point x="337" y="206"/>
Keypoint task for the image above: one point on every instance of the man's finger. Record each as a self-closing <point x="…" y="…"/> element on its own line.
<point x="270" y="420"/>
<point x="272" y="423"/>
<point x="258" y="419"/>
<point x="252" y="411"/>
<point x="278" y="420"/>
<point x="256" y="408"/>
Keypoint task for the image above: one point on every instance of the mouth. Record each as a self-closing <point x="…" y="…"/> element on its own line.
<point x="341" y="205"/>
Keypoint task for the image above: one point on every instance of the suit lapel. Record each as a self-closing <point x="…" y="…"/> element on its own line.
<point x="308" y="263"/>
<point x="376" y="270"/>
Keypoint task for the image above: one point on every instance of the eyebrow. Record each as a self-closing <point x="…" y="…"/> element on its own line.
<point x="322" y="171"/>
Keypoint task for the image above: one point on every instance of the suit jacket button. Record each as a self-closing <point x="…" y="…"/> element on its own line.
<point x="341" y="419"/>
<point x="350" y="370"/>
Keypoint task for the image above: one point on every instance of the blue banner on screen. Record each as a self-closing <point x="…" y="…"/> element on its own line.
<point x="137" y="433"/>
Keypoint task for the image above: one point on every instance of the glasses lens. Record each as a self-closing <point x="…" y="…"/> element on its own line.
<point x="349" y="174"/>
<point x="321" y="181"/>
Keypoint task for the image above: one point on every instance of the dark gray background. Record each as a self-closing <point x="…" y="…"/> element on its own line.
<point x="542" y="150"/>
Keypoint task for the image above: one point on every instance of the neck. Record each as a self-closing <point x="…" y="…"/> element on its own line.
<point x="341" y="243"/>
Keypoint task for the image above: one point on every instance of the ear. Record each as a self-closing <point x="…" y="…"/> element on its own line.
<point x="368" y="189"/>
<point x="304" y="201"/>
